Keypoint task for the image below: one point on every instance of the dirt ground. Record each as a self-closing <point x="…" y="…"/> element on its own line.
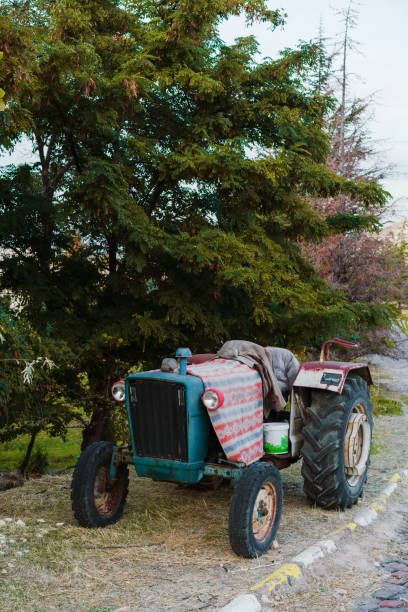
<point x="340" y="580"/>
<point x="169" y="552"/>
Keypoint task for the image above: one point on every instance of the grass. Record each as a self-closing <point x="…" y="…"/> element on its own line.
<point x="164" y="527"/>
<point x="387" y="406"/>
<point x="61" y="454"/>
<point x="379" y="449"/>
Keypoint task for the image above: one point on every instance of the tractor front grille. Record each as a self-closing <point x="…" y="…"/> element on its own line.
<point x="159" y="419"/>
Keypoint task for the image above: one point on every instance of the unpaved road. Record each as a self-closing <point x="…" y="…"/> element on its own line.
<point x="390" y="373"/>
<point x="339" y="581"/>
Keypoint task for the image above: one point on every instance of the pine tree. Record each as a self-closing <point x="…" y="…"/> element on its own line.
<point x="173" y="185"/>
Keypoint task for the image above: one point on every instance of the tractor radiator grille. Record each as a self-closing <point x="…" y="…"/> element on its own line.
<point x="159" y="419"/>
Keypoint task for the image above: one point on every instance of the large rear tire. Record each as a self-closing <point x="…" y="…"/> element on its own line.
<point x="98" y="500"/>
<point x="337" y="445"/>
<point x="255" y="510"/>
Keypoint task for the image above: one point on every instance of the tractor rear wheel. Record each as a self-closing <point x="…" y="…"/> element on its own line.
<point x="255" y="510"/>
<point x="97" y="499"/>
<point x="337" y="445"/>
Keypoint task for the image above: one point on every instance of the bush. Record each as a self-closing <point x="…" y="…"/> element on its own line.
<point x="38" y="463"/>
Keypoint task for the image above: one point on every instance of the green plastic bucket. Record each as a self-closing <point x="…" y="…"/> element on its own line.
<point x="276" y="438"/>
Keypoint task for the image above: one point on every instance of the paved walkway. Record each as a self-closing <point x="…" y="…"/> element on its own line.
<point x="394" y="592"/>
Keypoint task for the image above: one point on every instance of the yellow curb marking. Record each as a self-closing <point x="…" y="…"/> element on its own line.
<point x="383" y="498"/>
<point x="350" y="526"/>
<point x="395" y="478"/>
<point x="336" y="531"/>
<point x="279" y="577"/>
<point x="377" y="506"/>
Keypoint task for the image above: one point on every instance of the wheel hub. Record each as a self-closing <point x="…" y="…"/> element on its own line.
<point x="106" y="492"/>
<point x="357" y="445"/>
<point x="264" y="513"/>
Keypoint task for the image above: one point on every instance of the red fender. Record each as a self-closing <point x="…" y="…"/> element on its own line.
<point x="329" y="375"/>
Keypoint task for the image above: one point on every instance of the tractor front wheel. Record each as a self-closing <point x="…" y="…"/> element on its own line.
<point x="255" y="510"/>
<point x="97" y="499"/>
<point x="337" y="445"/>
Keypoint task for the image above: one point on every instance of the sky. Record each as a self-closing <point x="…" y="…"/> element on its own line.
<point x="379" y="67"/>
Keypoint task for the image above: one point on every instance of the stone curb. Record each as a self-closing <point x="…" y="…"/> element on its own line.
<point x="243" y="603"/>
<point x="290" y="573"/>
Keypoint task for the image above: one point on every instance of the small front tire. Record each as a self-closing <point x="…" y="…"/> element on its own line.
<point x="97" y="500"/>
<point x="255" y="510"/>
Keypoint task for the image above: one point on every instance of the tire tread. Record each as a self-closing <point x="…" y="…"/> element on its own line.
<point x="240" y="518"/>
<point x="82" y="488"/>
<point x="322" y="469"/>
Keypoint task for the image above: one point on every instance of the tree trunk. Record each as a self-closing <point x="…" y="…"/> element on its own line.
<point x="24" y="465"/>
<point x="99" y="427"/>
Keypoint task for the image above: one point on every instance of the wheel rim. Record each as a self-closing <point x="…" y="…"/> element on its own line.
<point x="107" y="492"/>
<point x="357" y="444"/>
<point x="264" y="514"/>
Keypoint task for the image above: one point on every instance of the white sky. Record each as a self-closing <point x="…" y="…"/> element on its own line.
<point x="382" y="68"/>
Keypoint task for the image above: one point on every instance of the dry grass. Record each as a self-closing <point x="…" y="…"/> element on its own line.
<point x="176" y="553"/>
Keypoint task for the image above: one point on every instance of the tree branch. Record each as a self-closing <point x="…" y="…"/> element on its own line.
<point x="44" y="162"/>
<point x="50" y="148"/>
<point x="74" y="153"/>
<point x="156" y="193"/>
<point x="58" y="176"/>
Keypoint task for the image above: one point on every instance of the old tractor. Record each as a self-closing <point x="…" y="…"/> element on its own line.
<point x="184" y="428"/>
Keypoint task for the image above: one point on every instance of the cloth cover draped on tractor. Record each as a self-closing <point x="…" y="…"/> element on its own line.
<point x="238" y="423"/>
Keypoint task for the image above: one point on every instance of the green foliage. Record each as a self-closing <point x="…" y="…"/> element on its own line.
<point x="31" y="390"/>
<point x="173" y="185"/>
<point x="346" y="222"/>
<point x="62" y="454"/>
<point x="402" y="323"/>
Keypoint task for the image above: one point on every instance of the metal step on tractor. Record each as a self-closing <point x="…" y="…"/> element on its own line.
<point x="182" y="431"/>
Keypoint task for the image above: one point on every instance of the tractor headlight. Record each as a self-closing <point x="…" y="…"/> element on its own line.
<point x="118" y="391"/>
<point x="212" y="399"/>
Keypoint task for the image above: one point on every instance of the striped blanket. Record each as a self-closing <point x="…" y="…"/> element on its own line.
<point x="238" y="423"/>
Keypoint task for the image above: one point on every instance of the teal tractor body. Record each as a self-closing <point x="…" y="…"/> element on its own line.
<point x="169" y="426"/>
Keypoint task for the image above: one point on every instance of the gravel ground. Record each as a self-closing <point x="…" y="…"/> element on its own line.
<point x="169" y="552"/>
<point x="391" y="373"/>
